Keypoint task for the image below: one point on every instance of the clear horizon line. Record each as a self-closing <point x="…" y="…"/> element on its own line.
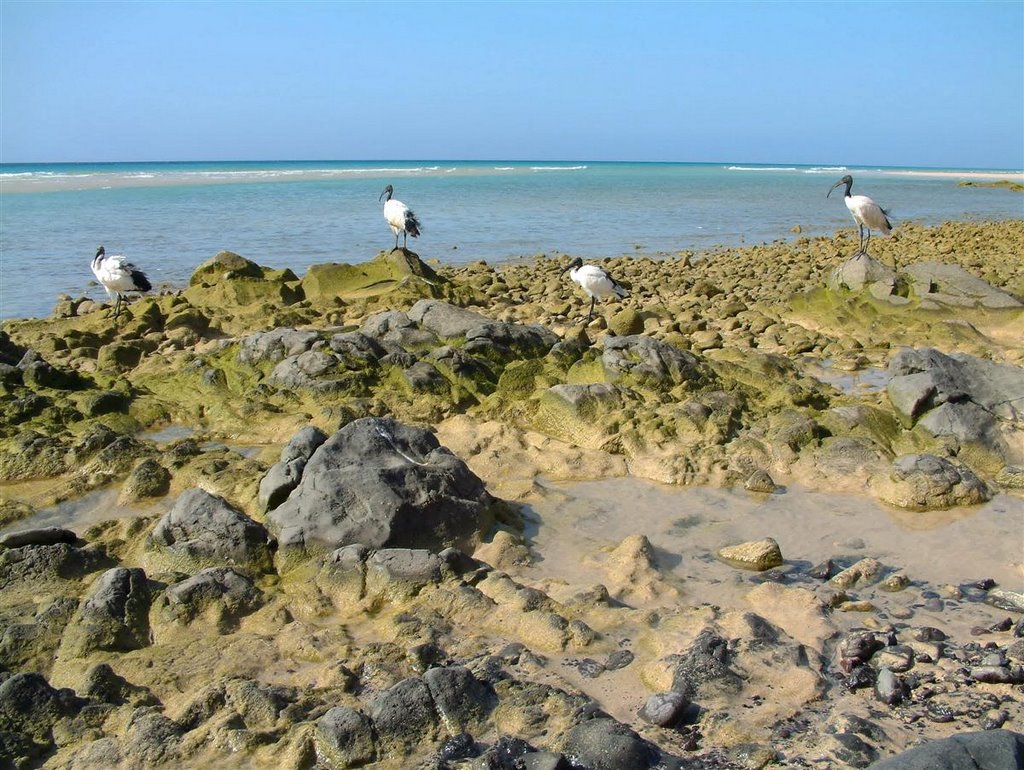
<point x="503" y="160"/>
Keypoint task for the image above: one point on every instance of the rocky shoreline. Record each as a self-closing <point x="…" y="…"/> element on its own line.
<point x="323" y="554"/>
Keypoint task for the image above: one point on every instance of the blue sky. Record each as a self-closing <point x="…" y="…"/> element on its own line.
<point x="913" y="83"/>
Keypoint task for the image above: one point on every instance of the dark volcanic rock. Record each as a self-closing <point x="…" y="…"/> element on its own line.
<point x="104" y="684"/>
<point x="382" y="483"/>
<point x="29" y="705"/>
<point x="989" y="750"/>
<point x="59" y="561"/>
<point x="505" y="341"/>
<point x="344" y="737"/>
<point x="284" y="475"/>
<point x="958" y="395"/>
<point x="202" y="531"/>
<point x="460" y="698"/>
<point x="114" y="617"/>
<point x="221" y="594"/>
<point x="605" y="744"/>
<point x="705" y="667"/>
<point x="404" y="715"/>
<point x="857" y="648"/>
<point x="41" y="536"/>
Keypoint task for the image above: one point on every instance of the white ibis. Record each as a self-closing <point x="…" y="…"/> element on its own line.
<point x="595" y="281"/>
<point x="399" y="217"/>
<point x="866" y="213"/>
<point x="118" y="275"/>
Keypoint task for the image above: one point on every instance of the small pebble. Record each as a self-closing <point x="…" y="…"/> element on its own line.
<point x="618" y="659"/>
<point x="664" y="709"/>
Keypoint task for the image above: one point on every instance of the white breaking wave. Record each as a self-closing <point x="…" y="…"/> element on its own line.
<point x="826" y="170"/>
<point x="760" y="168"/>
<point x="557" y="168"/>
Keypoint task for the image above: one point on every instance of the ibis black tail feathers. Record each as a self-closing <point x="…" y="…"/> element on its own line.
<point x="139" y="279"/>
<point x="412" y="225"/>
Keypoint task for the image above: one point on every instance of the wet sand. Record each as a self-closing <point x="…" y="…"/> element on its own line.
<point x="573" y="523"/>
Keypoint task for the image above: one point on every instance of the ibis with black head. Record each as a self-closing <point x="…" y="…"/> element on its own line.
<point x="866" y="213"/>
<point x="595" y="281"/>
<point x="117" y="275"/>
<point x="400" y="217"/>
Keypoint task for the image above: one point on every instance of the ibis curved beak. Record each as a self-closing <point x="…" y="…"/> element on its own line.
<point x="840" y="183"/>
<point x="388" y="191"/>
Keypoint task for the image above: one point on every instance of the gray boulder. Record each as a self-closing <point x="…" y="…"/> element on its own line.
<point x="305" y="370"/>
<point x="356" y="349"/>
<point x="664" y="709"/>
<point x="649" y="361"/>
<point x="114" y="617"/>
<point x="939" y="284"/>
<point x="203" y="530"/>
<point x="41" y="536"/>
<point x="606" y="744"/>
<point x="152" y="739"/>
<point x="988" y="750"/>
<point x="381" y="483"/>
<point x="220" y="595"/>
<point x="404" y="714"/>
<point x="970" y="399"/>
<point x="401" y="571"/>
<point x="274" y="345"/>
<point x="445" y="320"/>
<point x="461" y="700"/>
<point x="30" y="706"/>
<point x="396" y="328"/>
<point x="284" y="475"/>
<point x="505" y="341"/>
<point x="344" y="737"/>
<point x="60" y="561"/>
<point x="862" y="271"/>
<point x="926" y="482"/>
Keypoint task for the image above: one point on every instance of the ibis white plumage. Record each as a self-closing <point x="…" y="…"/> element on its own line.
<point x="866" y="213"/>
<point x="117" y="275"/>
<point x="399" y="217"/>
<point x="595" y="281"/>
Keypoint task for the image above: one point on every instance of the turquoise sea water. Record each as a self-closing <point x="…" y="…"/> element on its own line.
<point x="170" y="217"/>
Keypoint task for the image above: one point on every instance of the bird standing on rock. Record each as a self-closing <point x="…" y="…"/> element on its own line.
<point x="595" y="281"/>
<point x="399" y="217"/>
<point x="118" y="275"/>
<point x="866" y="213"/>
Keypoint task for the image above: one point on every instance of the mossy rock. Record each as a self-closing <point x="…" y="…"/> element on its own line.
<point x="13" y="511"/>
<point x="243" y="293"/>
<point x="584" y="415"/>
<point x="225" y="265"/>
<point x="387" y="272"/>
<point x="519" y="379"/>
<point x="96" y="403"/>
<point x="189" y="318"/>
<point x="121" y="355"/>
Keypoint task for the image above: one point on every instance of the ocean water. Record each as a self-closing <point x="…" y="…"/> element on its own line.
<point x="170" y="217"/>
